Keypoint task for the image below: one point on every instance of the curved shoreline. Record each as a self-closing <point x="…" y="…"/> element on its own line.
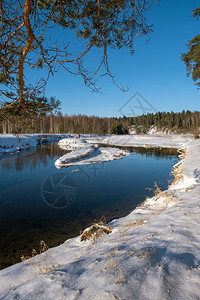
<point x="151" y="239"/>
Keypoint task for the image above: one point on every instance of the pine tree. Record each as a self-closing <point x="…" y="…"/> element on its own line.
<point x="28" y="37"/>
<point x="192" y="57"/>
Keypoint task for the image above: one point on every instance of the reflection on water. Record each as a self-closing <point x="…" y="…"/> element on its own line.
<point x="46" y="154"/>
<point x="31" y="158"/>
<point x="156" y="152"/>
<point x="150" y="151"/>
<point x="112" y="189"/>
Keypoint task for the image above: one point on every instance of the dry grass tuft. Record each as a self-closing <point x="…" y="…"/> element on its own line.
<point x="115" y="297"/>
<point x="157" y="191"/>
<point x="177" y="173"/>
<point x="178" y="170"/>
<point x="134" y="223"/>
<point x="95" y="231"/>
<point x="42" y="265"/>
<point x="157" y="194"/>
<point x="121" y="278"/>
<point x="145" y="253"/>
<point x="43" y="248"/>
<point x="123" y="228"/>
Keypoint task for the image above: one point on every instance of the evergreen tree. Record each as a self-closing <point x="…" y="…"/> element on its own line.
<point x="192" y="57"/>
<point x="28" y="37"/>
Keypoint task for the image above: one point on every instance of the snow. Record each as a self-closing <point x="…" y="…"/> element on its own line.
<point x="101" y="154"/>
<point x="72" y="143"/>
<point x="83" y="149"/>
<point x="96" y="155"/>
<point x="154" y="130"/>
<point x="107" y="154"/>
<point x="10" y="142"/>
<point x="153" y="253"/>
<point x="131" y="140"/>
<point x="74" y="155"/>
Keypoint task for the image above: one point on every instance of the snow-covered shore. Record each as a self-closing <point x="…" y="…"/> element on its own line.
<point x="132" y="140"/>
<point x="9" y="143"/>
<point x="153" y="253"/>
<point x="85" y="153"/>
<point x="72" y="143"/>
<point x="74" y="155"/>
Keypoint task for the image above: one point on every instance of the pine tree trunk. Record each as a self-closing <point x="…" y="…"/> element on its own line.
<point x="26" y="15"/>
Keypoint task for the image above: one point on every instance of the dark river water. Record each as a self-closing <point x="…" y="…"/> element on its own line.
<point x="40" y="202"/>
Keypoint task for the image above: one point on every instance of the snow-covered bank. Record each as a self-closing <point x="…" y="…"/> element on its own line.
<point x="10" y="143"/>
<point x="153" y="253"/>
<point x="74" y="155"/>
<point x="80" y="157"/>
<point x="131" y="140"/>
<point x="72" y="143"/>
<point x="82" y="150"/>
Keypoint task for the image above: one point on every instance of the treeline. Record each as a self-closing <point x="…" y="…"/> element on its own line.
<point x="65" y="124"/>
<point x="182" y="122"/>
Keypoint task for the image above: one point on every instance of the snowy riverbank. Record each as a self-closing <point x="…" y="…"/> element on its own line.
<point x="11" y="142"/>
<point x="131" y="140"/>
<point x="153" y="253"/>
<point x="84" y="153"/>
<point x="74" y="155"/>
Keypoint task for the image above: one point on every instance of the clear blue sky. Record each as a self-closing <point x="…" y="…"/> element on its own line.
<point x="155" y="70"/>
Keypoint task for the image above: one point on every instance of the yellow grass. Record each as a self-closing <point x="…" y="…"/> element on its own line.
<point x="96" y="230"/>
<point x="43" y="264"/>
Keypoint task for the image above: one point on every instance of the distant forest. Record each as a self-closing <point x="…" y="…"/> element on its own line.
<point x="184" y="122"/>
<point x="65" y="124"/>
